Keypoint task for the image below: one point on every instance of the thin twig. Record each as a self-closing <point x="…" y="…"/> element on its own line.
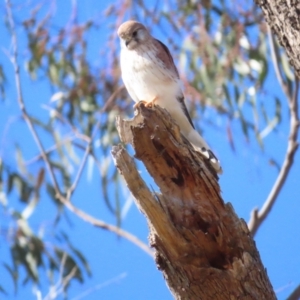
<point x="14" y="60"/>
<point x="79" y="172"/>
<point x="99" y="286"/>
<point x="62" y="265"/>
<point x="53" y="289"/>
<point x="67" y="279"/>
<point x="91" y="154"/>
<point x="62" y="282"/>
<point x="257" y="217"/>
<point x="50" y="149"/>
<point x="65" y="121"/>
<point x="83" y="162"/>
<point x="111" y="99"/>
<point x="99" y="223"/>
<point x="275" y="58"/>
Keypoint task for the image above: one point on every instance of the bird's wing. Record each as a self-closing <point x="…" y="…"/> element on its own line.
<point x="166" y="57"/>
<point x="183" y="106"/>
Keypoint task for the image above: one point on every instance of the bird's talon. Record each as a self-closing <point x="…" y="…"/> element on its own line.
<point x="149" y="105"/>
<point x="136" y="105"/>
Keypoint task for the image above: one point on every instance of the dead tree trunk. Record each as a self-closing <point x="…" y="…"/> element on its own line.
<point x="203" y="249"/>
<point x="283" y="17"/>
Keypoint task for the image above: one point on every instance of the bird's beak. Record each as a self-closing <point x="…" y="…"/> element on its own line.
<point x="127" y="42"/>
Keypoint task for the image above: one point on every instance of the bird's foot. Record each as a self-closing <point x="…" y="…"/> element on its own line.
<point x="148" y="104"/>
<point x="151" y="103"/>
<point x="136" y="105"/>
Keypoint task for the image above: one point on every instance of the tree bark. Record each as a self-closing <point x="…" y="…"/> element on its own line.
<point x="283" y="16"/>
<point x="203" y="249"/>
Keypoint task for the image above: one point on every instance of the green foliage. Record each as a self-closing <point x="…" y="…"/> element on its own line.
<point x="225" y="65"/>
<point x="227" y="69"/>
<point x="28" y="250"/>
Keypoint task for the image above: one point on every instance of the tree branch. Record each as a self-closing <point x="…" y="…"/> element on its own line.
<point x="86" y="217"/>
<point x="62" y="282"/>
<point x="101" y="224"/>
<point x="275" y="58"/>
<point x="14" y="60"/>
<point x="282" y="18"/>
<point x="203" y="249"/>
<point x="258" y="217"/>
<point x="86" y="293"/>
<point x="83" y="162"/>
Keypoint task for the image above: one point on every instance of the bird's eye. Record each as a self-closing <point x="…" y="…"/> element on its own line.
<point x="134" y="34"/>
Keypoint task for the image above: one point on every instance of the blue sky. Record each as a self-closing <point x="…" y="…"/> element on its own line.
<point x="120" y="269"/>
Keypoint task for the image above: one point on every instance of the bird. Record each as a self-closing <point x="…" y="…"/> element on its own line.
<point x="150" y="75"/>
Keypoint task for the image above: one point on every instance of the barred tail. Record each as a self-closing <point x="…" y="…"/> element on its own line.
<point x="201" y="146"/>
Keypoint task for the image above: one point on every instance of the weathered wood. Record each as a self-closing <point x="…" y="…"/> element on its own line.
<point x="283" y="16"/>
<point x="203" y="249"/>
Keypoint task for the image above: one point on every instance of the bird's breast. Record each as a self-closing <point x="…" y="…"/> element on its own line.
<point x="147" y="77"/>
<point x="145" y="63"/>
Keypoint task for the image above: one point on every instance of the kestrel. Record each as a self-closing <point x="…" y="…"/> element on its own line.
<point x="150" y="75"/>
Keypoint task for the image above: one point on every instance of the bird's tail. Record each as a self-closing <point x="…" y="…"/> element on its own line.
<point x="201" y="146"/>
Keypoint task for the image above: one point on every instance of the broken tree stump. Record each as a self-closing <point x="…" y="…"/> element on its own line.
<point x="202" y="248"/>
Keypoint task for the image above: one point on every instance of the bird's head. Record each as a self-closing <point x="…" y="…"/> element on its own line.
<point x="132" y="34"/>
